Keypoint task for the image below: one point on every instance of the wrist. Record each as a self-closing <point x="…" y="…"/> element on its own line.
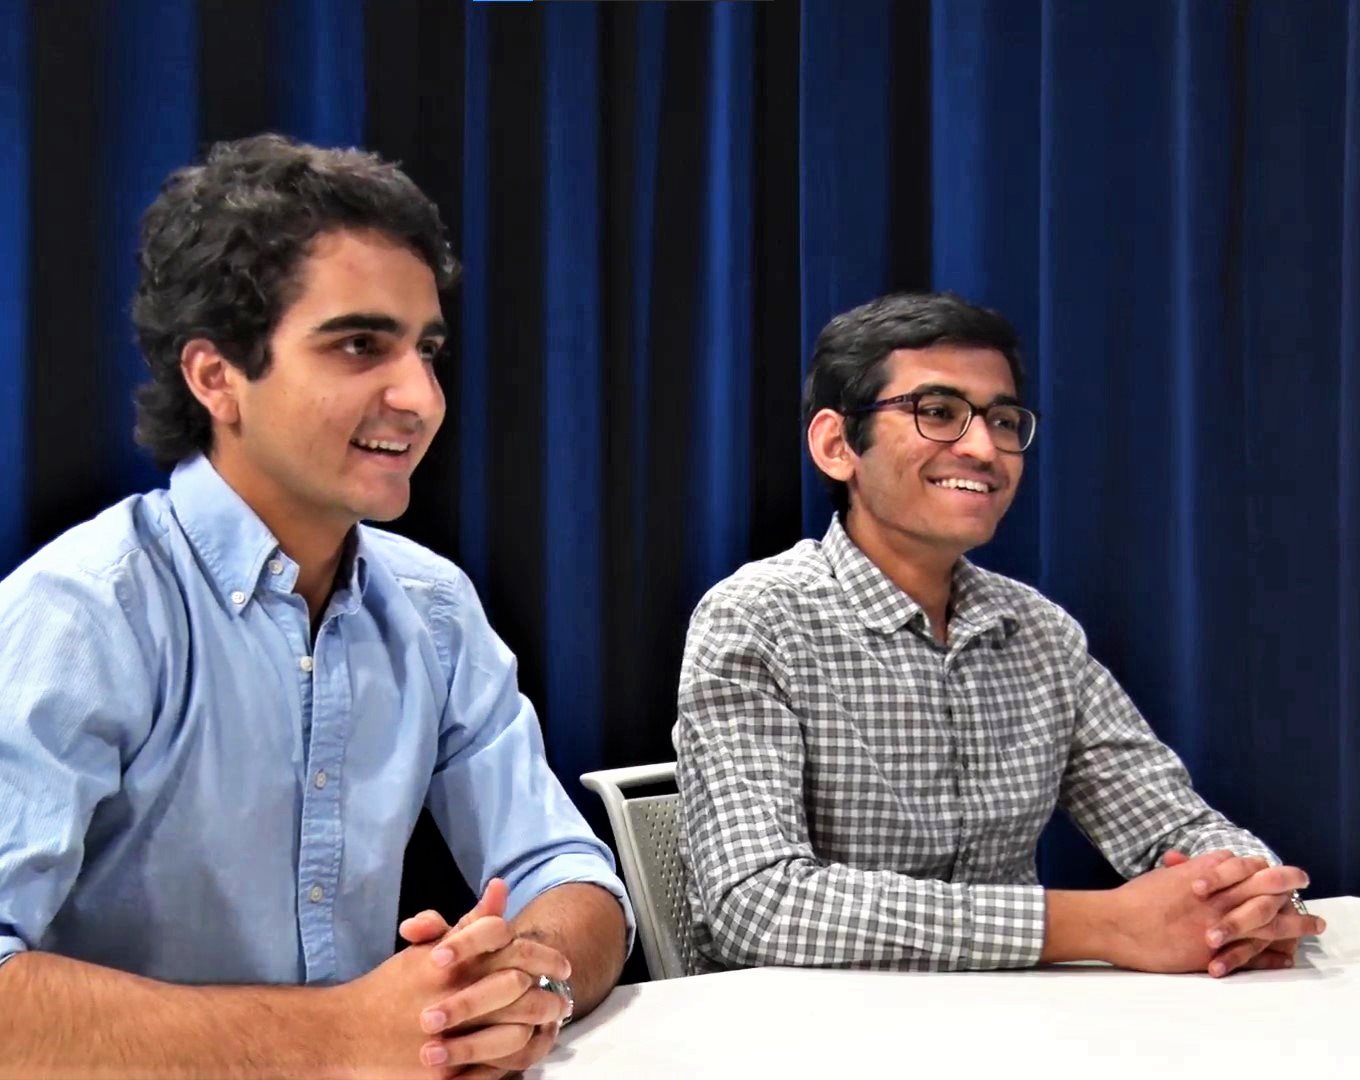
<point x="1082" y="925"/>
<point x="331" y="1011"/>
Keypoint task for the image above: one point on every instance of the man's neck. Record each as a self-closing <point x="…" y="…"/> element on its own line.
<point x="318" y="562"/>
<point x="924" y="573"/>
<point x="316" y="546"/>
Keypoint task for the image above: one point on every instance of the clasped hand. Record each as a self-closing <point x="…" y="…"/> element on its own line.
<point x="495" y="1020"/>
<point x="1217" y="912"/>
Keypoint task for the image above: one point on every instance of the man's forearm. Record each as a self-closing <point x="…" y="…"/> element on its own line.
<point x="65" y="1018"/>
<point x="802" y="914"/>
<point x="585" y="923"/>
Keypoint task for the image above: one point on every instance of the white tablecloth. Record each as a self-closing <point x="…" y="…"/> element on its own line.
<point x="1087" y="1020"/>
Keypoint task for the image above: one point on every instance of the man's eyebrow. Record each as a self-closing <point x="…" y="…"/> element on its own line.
<point x="942" y="388"/>
<point x="376" y="323"/>
<point x="360" y="320"/>
<point x="938" y="388"/>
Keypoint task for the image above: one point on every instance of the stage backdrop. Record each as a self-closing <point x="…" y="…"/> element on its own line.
<point x="659" y="206"/>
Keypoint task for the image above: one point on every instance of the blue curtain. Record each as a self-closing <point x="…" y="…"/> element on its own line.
<point x="14" y="124"/>
<point x="1165" y="199"/>
<point x="658" y="207"/>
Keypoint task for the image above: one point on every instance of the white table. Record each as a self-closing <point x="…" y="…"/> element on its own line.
<point x="1071" y="1020"/>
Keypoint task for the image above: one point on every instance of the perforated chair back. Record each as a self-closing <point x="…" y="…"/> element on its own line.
<point x="647" y="832"/>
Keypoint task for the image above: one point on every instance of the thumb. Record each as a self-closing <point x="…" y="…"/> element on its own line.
<point x="426" y="926"/>
<point x="493" y="902"/>
<point x="1175" y="858"/>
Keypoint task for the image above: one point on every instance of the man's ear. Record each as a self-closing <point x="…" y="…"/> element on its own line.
<point x="826" y="443"/>
<point x="212" y="379"/>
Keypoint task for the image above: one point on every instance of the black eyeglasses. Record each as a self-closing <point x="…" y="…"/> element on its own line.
<point x="944" y="418"/>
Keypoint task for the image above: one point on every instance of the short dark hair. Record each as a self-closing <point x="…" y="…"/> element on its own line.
<point x="219" y="254"/>
<point x="848" y="369"/>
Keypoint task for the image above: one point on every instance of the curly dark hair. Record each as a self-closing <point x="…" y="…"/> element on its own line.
<point x="847" y="370"/>
<point x="219" y="254"/>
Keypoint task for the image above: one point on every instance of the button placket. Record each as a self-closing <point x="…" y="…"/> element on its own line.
<point x="322" y="834"/>
<point x="957" y="716"/>
<point x="316" y="886"/>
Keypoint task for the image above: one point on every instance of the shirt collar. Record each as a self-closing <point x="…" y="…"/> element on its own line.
<point x="976" y="605"/>
<point x="354" y="571"/>
<point x="234" y="545"/>
<point x="881" y="605"/>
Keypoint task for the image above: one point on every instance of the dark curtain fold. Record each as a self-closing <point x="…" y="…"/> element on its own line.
<point x="659" y="205"/>
<point x="15" y="152"/>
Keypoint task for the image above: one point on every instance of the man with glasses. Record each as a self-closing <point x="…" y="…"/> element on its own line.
<point x="873" y="731"/>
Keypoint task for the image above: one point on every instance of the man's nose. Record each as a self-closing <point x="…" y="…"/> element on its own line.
<point x="977" y="441"/>
<point x="414" y="388"/>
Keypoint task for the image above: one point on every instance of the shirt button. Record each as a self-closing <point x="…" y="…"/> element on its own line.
<point x="316" y="894"/>
<point x="320" y="780"/>
<point x="305" y="663"/>
<point x="238" y="598"/>
<point x="275" y="566"/>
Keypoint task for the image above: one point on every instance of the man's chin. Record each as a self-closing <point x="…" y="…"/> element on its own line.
<point x="969" y="539"/>
<point x="383" y="509"/>
<point x="383" y="516"/>
<point x="385" y="501"/>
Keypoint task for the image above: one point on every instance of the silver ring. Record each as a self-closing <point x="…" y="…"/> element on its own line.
<point x="563" y="990"/>
<point x="1298" y="903"/>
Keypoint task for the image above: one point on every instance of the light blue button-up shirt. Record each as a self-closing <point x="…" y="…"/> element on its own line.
<point x="193" y="789"/>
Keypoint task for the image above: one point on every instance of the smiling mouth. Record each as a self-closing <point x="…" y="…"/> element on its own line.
<point x="952" y="483"/>
<point x="381" y="447"/>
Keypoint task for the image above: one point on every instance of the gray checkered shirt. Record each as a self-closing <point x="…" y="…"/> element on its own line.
<point x="856" y="795"/>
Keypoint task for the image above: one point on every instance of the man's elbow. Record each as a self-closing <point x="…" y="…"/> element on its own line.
<point x="748" y="929"/>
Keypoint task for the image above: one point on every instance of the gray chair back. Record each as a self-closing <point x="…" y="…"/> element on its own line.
<point x="647" y="834"/>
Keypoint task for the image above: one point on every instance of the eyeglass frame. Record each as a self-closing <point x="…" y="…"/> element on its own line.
<point x="914" y="398"/>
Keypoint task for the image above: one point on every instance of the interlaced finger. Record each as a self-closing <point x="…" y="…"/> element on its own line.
<point x="527" y="955"/>
<point x="477" y="1047"/>
<point x="1228" y="873"/>
<point x="1229" y="959"/>
<point x="1270" y="881"/>
<point x="1245" y="920"/>
<point x="485" y="996"/>
<point x="533" y="1051"/>
<point x="485" y="935"/>
<point x="537" y="1007"/>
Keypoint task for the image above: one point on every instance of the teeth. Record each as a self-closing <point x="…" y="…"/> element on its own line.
<point x="382" y="444"/>
<point x="962" y="485"/>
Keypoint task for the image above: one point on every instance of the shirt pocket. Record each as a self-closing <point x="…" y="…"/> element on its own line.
<point x="1029" y="738"/>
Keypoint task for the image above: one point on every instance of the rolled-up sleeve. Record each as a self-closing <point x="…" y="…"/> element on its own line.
<point x="72" y="696"/>
<point x="501" y="810"/>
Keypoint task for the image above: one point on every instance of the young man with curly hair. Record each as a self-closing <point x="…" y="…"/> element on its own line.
<point x="227" y="702"/>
